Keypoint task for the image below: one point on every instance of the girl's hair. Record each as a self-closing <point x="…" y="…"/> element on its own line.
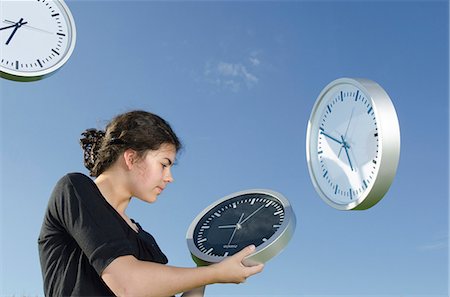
<point x="138" y="130"/>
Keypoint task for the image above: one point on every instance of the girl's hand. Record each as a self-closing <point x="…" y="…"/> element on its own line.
<point x="232" y="270"/>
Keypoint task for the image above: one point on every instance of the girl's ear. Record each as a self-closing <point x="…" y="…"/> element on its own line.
<point x="130" y="157"/>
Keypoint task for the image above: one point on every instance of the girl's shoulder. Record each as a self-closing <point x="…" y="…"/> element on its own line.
<point x="75" y="178"/>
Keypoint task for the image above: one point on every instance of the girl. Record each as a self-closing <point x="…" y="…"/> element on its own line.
<point x="88" y="246"/>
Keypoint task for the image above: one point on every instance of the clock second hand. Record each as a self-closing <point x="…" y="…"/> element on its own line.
<point x="28" y="26"/>
<point x="236" y="227"/>
<point x="346" y="130"/>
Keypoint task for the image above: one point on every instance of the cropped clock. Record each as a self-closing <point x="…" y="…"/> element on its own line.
<point x="263" y="218"/>
<point x="37" y="37"/>
<point x="352" y="143"/>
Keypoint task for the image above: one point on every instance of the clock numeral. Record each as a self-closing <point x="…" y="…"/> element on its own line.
<point x="202" y="240"/>
<point x="356" y="96"/>
<point x="351" y="194"/>
<point x="329" y="109"/>
<point x="60" y="34"/>
<point x="278" y="212"/>
<point x="370" y="109"/>
<point x="376" y="135"/>
<point x="209" y="251"/>
<point x="336" y="189"/>
<point x="342" y="96"/>
<point x="55" y="52"/>
<point x="365" y="184"/>
<point x="325" y="174"/>
<point x="39" y="62"/>
<point x="17" y="64"/>
<point x="56" y="14"/>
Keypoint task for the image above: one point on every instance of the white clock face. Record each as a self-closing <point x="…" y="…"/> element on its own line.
<point x="353" y="143"/>
<point x="36" y="37"/>
<point x="344" y="147"/>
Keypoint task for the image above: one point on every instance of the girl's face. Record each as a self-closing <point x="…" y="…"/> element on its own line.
<point x="151" y="174"/>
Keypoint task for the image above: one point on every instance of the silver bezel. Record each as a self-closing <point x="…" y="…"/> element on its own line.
<point x="389" y="142"/>
<point x="37" y="75"/>
<point x="264" y="252"/>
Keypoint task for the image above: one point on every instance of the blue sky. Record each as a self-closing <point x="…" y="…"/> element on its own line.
<point x="237" y="81"/>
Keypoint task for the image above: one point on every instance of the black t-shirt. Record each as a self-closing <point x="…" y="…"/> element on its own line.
<point x="81" y="235"/>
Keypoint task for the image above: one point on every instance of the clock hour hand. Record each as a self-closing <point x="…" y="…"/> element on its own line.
<point x="7" y="27"/>
<point x="227" y="226"/>
<point x="331" y="137"/>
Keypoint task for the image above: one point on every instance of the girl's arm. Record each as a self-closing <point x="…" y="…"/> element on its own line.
<point x="127" y="276"/>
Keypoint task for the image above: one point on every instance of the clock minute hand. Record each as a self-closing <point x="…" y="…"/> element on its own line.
<point x="18" y="25"/>
<point x="346" y="147"/>
<point x="252" y="214"/>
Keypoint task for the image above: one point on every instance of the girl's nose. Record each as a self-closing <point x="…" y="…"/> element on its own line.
<point x="168" y="177"/>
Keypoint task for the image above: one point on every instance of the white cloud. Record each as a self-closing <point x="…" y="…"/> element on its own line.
<point x="438" y="244"/>
<point x="254" y="61"/>
<point x="231" y="76"/>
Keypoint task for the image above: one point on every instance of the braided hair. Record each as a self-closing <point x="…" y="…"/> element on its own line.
<point x="139" y="130"/>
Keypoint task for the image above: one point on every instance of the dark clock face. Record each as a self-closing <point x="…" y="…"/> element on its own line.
<point x="238" y="222"/>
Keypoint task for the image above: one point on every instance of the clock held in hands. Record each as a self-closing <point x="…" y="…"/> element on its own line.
<point x="260" y="217"/>
<point x="37" y="37"/>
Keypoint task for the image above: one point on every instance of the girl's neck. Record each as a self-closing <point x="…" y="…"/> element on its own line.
<point x="113" y="189"/>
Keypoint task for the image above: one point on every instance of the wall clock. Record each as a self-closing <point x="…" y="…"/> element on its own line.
<point x="36" y="38"/>
<point x="352" y="143"/>
<point x="260" y="217"/>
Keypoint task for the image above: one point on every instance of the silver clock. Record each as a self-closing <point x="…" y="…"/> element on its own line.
<point x="260" y="217"/>
<point x="352" y="143"/>
<point x="37" y="37"/>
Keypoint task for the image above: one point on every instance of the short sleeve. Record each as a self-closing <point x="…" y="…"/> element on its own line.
<point x="77" y="205"/>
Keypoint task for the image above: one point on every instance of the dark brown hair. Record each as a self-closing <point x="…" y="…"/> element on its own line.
<point x="139" y="130"/>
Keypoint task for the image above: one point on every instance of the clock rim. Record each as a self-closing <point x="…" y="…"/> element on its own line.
<point x="40" y="74"/>
<point x="263" y="252"/>
<point x="388" y="140"/>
